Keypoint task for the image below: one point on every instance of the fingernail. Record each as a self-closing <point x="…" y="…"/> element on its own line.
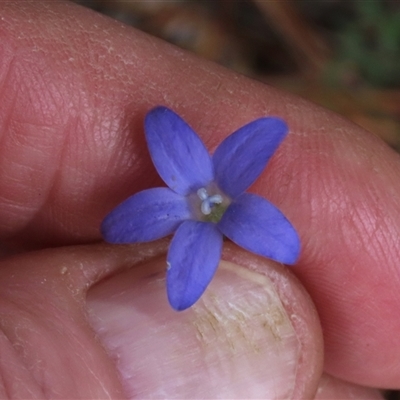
<point x="236" y="342"/>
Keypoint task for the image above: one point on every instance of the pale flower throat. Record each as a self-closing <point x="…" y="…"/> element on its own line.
<point x="210" y="204"/>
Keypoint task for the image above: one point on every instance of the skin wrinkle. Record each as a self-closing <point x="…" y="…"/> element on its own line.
<point x="16" y="337"/>
<point x="335" y="201"/>
<point x="104" y="135"/>
<point x="118" y="156"/>
<point x="67" y="150"/>
<point x="7" y="118"/>
<point x="40" y="368"/>
<point x="6" y="384"/>
<point x="370" y="225"/>
<point x="352" y="235"/>
<point x="100" y="383"/>
<point x="47" y="104"/>
<point x="7" y="59"/>
<point x="53" y="183"/>
<point x="13" y="385"/>
<point x="5" y="121"/>
<point x="124" y="162"/>
<point x="111" y="129"/>
<point x="379" y="228"/>
<point x="48" y="116"/>
<point x="30" y="85"/>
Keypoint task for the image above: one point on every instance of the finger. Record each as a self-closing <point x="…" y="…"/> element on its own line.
<point x="48" y="349"/>
<point x="243" y="339"/>
<point x="251" y="335"/>
<point x="335" y="183"/>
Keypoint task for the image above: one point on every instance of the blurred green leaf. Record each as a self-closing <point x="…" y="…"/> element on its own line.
<point x="369" y="46"/>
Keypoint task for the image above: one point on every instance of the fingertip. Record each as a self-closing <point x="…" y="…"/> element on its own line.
<point x="253" y="333"/>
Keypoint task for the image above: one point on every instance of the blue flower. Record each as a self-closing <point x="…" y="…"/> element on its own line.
<point x="204" y="200"/>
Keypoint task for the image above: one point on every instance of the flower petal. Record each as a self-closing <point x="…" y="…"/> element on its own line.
<point x="178" y="154"/>
<point x="193" y="258"/>
<point x="145" y="216"/>
<point x="258" y="226"/>
<point x="242" y="156"/>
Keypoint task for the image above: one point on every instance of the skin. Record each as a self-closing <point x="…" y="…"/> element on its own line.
<point x="75" y="87"/>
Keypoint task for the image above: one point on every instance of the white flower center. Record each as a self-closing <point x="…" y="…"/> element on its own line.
<point x="208" y="202"/>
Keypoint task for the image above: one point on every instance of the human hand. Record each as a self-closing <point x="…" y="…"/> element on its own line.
<point x="75" y="87"/>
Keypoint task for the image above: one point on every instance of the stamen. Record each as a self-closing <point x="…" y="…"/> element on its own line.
<point x="206" y="207"/>
<point x="215" y="199"/>
<point x="202" y="193"/>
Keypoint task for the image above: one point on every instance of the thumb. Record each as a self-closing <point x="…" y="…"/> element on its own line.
<point x="253" y="334"/>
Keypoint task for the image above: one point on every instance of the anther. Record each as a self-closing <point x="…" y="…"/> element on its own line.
<point x="202" y="193"/>
<point x="215" y="199"/>
<point x="206" y="207"/>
